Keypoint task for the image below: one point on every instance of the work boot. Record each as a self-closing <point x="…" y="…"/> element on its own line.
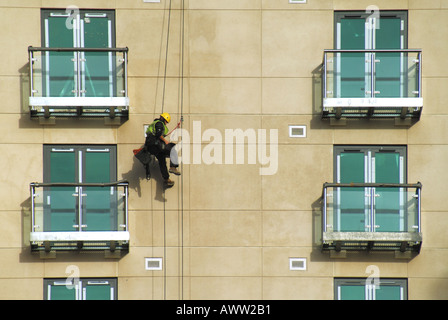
<point x="169" y="183"/>
<point x="175" y="171"/>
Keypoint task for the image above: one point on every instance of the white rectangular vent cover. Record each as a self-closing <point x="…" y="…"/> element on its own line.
<point x="297" y="131"/>
<point x="297" y="264"/>
<point x="153" y="263"/>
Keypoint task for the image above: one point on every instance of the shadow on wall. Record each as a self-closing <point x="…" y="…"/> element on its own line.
<point x="137" y="175"/>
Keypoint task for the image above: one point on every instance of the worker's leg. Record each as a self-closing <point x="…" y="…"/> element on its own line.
<point x="174" y="158"/>
<point x="162" y="164"/>
<point x="148" y="172"/>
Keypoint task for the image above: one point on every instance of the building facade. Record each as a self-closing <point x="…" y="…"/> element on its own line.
<point x="311" y="135"/>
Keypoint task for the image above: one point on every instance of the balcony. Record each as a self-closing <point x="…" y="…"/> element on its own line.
<point x="78" y="82"/>
<point x="83" y="216"/>
<point x="372" y="217"/>
<point x="372" y="84"/>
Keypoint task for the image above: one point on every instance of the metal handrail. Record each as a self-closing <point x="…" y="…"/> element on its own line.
<point x="373" y="185"/>
<point x="70" y="184"/>
<point x="371" y="50"/>
<point x="124" y="49"/>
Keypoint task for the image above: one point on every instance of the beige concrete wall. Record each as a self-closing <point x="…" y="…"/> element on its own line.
<point x="224" y="231"/>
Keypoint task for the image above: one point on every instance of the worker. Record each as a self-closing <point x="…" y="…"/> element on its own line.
<point x="157" y="145"/>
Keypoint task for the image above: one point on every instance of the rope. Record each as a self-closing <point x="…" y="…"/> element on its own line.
<point x="163" y="104"/>
<point x="179" y="124"/>
<point x="182" y="36"/>
<point x="166" y="55"/>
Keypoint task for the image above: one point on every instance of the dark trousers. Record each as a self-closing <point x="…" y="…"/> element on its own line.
<point x="161" y="151"/>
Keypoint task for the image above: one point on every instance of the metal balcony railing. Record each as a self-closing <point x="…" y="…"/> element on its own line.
<point x="68" y="216"/>
<point x="80" y="82"/>
<point x="372" y="216"/>
<point x="372" y="83"/>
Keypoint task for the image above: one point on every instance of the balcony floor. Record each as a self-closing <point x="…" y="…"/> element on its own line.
<point x="88" y="241"/>
<point x="403" y="108"/>
<point x="372" y="241"/>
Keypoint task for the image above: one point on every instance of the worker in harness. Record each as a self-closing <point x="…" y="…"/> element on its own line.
<point x="157" y="145"/>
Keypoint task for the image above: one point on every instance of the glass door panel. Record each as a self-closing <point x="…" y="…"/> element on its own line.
<point x="352" y="292"/>
<point x="388" y="200"/>
<point x="352" y="213"/>
<point x="388" y="292"/>
<point x="62" y="292"/>
<point x="388" y="65"/>
<point x="100" y="291"/>
<point x="96" y="207"/>
<point x="79" y="73"/>
<point x="361" y="289"/>
<point x="351" y="66"/>
<point x="370" y="209"/>
<point x="61" y="202"/>
<point x="97" y="66"/>
<point x="98" y="203"/>
<point x="60" y="76"/>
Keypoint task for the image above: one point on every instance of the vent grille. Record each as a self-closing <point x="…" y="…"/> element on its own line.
<point x="153" y="263"/>
<point x="297" y="264"/>
<point x="297" y="131"/>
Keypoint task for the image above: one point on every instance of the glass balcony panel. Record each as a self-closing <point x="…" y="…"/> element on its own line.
<point x="350" y="209"/>
<point x="103" y="74"/>
<point x="57" y="208"/>
<point x="60" y="209"/>
<point x="351" y="75"/>
<point x="100" y="209"/>
<point x="396" y="74"/>
<point x="66" y="78"/>
<point x="361" y="83"/>
<point x="53" y="74"/>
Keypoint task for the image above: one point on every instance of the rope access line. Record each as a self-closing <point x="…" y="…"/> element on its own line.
<point x="179" y="125"/>
<point x="163" y="104"/>
<point x="166" y="55"/>
<point x="182" y="46"/>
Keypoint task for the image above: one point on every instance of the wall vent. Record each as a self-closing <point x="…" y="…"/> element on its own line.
<point x="297" y="131"/>
<point x="153" y="263"/>
<point x="297" y="264"/>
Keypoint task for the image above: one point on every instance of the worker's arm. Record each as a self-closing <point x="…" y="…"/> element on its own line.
<point x="163" y="139"/>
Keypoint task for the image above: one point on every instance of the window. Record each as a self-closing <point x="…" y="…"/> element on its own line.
<point x="370" y="206"/>
<point x="78" y="71"/>
<point x="80" y="205"/>
<point x="80" y="289"/>
<point x="374" y="164"/>
<point x="80" y="164"/>
<point x="371" y="59"/>
<point x="370" y="289"/>
<point x="82" y="29"/>
<point x="370" y="31"/>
